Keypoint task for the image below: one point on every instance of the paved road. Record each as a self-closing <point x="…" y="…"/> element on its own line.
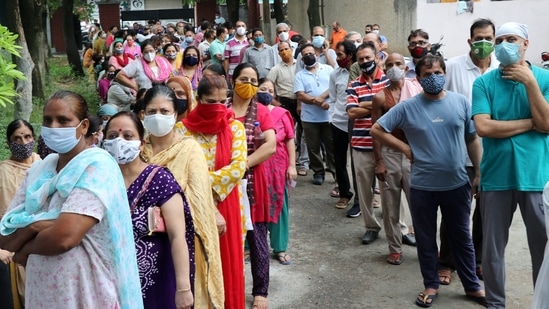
<point x="332" y="269"/>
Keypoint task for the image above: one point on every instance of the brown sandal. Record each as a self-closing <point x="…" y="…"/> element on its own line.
<point x="445" y="276"/>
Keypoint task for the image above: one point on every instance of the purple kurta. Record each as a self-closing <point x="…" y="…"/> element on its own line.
<point x="154" y="257"/>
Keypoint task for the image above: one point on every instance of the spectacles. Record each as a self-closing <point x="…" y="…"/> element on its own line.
<point x="420" y="43"/>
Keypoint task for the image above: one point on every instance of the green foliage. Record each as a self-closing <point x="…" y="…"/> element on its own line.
<point x="60" y="78"/>
<point x="8" y="71"/>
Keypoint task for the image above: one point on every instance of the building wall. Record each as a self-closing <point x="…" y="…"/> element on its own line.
<point x="441" y="18"/>
<point x="163" y="4"/>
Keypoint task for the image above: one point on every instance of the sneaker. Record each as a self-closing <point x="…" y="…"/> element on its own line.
<point x="354" y="211"/>
<point x="318" y="180"/>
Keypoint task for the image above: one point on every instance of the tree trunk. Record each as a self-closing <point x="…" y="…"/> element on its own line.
<point x="267" y="21"/>
<point x="279" y="11"/>
<point x="23" y="88"/>
<point x="314" y="14"/>
<point x="70" y="40"/>
<point x="232" y="10"/>
<point x="33" y="23"/>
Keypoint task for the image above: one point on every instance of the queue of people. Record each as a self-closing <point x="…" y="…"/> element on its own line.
<point x="211" y="150"/>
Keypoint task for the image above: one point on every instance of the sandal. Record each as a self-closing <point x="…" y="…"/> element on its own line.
<point x="246" y="256"/>
<point x="335" y="192"/>
<point x="394" y="258"/>
<point x="481" y="300"/>
<point x="445" y="276"/>
<point x="302" y="171"/>
<point x="284" y="258"/>
<point x="425" y="300"/>
<point x="259" y="302"/>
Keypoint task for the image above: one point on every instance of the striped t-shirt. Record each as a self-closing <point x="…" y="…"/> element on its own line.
<point x="359" y="90"/>
<point x="232" y="52"/>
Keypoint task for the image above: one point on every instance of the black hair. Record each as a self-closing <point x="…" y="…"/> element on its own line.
<point x="78" y="104"/>
<point x="159" y="90"/>
<point x="296" y="38"/>
<point x="302" y="47"/>
<point x="418" y="32"/>
<point x="428" y="61"/>
<point x="95" y="124"/>
<point x="367" y="45"/>
<point x="481" y="24"/>
<point x="349" y="48"/>
<point x="167" y="46"/>
<point x="220" y="30"/>
<point x="16" y="124"/>
<point x="208" y="83"/>
<point x="242" y="66"/>
<point x="217" y="68"/>
<point x="136" y="121"/>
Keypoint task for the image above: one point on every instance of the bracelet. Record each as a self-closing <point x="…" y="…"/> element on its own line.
<point x="184" y="290"/>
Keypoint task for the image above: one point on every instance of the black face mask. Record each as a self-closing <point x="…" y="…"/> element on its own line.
<point x="182" y="105"/>
<point x="368" y="67"/>
<point x="309" y="60"/>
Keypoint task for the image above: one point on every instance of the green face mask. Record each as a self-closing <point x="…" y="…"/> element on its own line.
<point x="482" y="49"/>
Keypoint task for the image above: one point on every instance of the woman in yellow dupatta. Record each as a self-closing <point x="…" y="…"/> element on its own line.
<point x="20" y="139"/>
<point x="185" y="159"/>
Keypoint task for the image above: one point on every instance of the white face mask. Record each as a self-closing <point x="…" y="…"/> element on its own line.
<point x="149" y="56"/>
<point x="241" y="30"/>
<point x="122" y="150"/>
<point x="60" y="140"/>
<point x="357" y="44"/>
<point x="284" y="36"/>
<point x="159" y="125"/>
<point x="395" y="74"/>
<point x="375" y="31"/>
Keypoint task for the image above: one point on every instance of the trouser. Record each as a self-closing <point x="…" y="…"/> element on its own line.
<point x="397" y="179"/>
<point x="259" y="258"/>
<point x="365" y="163"/>
<point x="455" y="207"/>
<point x="350" y="127"/>
<point x="315" y="133"/>
<point x="341" y="145"/>
<point x="498" y="208"/>
<point x="279" y="233"/>
<point x="6" y="300"/>
<point x="445" y="259"/>
<point x="291" y="105"/>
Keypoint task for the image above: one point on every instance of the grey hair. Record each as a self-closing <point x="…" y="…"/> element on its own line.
<point x="351" y="33"/>
<point x="282" y="25"/>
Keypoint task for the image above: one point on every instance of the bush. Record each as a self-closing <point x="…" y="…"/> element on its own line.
<point x="60" y="77"/>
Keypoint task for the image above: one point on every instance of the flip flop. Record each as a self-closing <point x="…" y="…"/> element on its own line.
<point x="446" y="274"/>
<point x="394" y="258"/>
<point x="422" y="299"/>
<point x="302" y="171"/>
<point x="284" y="258"/>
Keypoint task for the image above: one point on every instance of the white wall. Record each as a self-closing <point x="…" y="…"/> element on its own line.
<point x="441" y="18"/>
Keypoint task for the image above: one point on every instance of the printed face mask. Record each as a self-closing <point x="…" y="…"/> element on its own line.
<point x="507" y="53"/>
<point x="171" y="56"/>
<point x="368" y="67"/>
<point x="264" y="98"/>
<point x="21" y="151"/>
<point x="122" y="150"/>
<point x="433" y="84"/>
<point x="395" y="74"/>
<point x="343" y="63"/>
<point x="159" y="125"/>
<point x="482" y="49"/>
<point x="60" y="140"/>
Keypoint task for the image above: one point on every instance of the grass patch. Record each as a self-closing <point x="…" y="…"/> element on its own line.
<point x="60" y="77"/>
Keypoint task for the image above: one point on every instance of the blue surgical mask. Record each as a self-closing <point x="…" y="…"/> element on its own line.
<point x="189" y="39"/>
<point x="433" y="84"/>
<point x="60" y="140"/>
<point x="318" y="41"/>
<point x="507" y="53"/>
<point x="258" y="40"/>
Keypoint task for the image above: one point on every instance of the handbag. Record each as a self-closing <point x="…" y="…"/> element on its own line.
<point x="154" y="214"/>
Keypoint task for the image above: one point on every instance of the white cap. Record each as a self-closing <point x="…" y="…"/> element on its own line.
<point x="513" y="28"/>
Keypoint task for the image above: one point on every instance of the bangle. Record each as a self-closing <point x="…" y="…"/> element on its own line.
<point x="184" y="290"/>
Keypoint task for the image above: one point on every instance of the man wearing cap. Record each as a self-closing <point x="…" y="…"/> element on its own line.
<point x="510" y="111"/>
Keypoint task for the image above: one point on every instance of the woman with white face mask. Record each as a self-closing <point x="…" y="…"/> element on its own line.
<point x="165" y="260"/>
<point x="146" y="70"/>
<point x="69" y="219"/>
<point x="185" y="159"/>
